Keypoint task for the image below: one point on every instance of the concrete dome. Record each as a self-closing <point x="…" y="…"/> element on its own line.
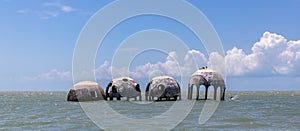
<point x="163" y="87"/>
<point x="123" y="87"/>
<point x="207" y="77"/>
<point x="86" y="91"/>
<point x="211" y="76"/>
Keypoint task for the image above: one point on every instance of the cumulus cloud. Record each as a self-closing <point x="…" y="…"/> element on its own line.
<point x="238" y="62"/>
<point x="273" y="54"/>
<point x="103" y="71"/>
<point x="217" y="62"/>
<point x="169" y="67"/>
<point x="192" y="60"/>
<point x="172" y="66"/>
<point x="106" y="71"/>
<point x="289" y="59"/>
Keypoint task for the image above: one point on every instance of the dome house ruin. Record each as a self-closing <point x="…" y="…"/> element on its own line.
<point x="206" y="77"/>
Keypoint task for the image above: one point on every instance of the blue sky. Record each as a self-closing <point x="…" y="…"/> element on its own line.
<point x="260" y="39"/>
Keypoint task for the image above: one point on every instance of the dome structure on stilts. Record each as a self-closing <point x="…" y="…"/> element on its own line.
<point x="206" y="77"/>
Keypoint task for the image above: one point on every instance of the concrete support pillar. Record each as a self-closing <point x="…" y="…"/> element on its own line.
<point x="215" y="93"/>
<point x="190" y="91"/>
<point x="197" y="93"/>
<point x="146" y="96"/>
<point x="223" y="94"/>
<point x="206" y="92"/>
<point x="140" y="97"/>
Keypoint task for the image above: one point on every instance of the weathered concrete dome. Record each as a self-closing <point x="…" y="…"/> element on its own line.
<point x="86" y="91"/>
<point x="207" y="77"/>
<point x="163" y="87"/>
<point x="123" y="87"/>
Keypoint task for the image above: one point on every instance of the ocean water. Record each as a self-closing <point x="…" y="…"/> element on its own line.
<point x="270" y="110"/>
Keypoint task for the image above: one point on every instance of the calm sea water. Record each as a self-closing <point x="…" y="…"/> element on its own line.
<point x="50" y="111"/>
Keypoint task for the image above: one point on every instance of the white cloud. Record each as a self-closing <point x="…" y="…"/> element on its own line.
<point x="51" y="75"/>
<point x="103" y="71"/>
<point x="171" y="66"/>
<point x="238" y="63"/>
<point x="41" y="14"/>
<point x="50" y="10"/>
<point x="289" y="59"/>
<point x="67" y="8"/>
<point x="217" y="62"/>
<point x="196" y="56"/>
<point x="64" y="8"/>
<point x="192" y="60"/>
<point x="271" y="55"/>
<point x="106" y="71"/>
<point x="24" y="11"/>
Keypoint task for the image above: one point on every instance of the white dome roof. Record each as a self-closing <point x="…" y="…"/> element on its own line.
<point x="122" y="79"/>
<point x="203" y="71"/>
<point x="91" y="83"/>
<point x="161" y="77"/>
<point x="210" y="75"/>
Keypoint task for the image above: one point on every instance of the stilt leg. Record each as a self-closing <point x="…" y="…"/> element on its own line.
<point x="189" y="92"/>
<point x="197" y="93"/>
<point x="206" y="90"/>
<point x="140" y="97"/>
<point x="175" y="98"/>
<point x="223" y="94"/>
<point x="215" y="93"/>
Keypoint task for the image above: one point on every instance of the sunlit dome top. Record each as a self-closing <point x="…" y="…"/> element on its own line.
<point x="162" y="77"/>
<point x="86" y="91"/>
<point x="202" y="71"/>
<point x="120" y="81"/>
<point x="86" y="83"/>
<point x="123" y="79"/>
<point x="211" y="76"/>
<point x="165" y="80"/>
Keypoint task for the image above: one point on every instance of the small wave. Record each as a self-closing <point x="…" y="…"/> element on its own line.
<point x="238" y="119"/>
